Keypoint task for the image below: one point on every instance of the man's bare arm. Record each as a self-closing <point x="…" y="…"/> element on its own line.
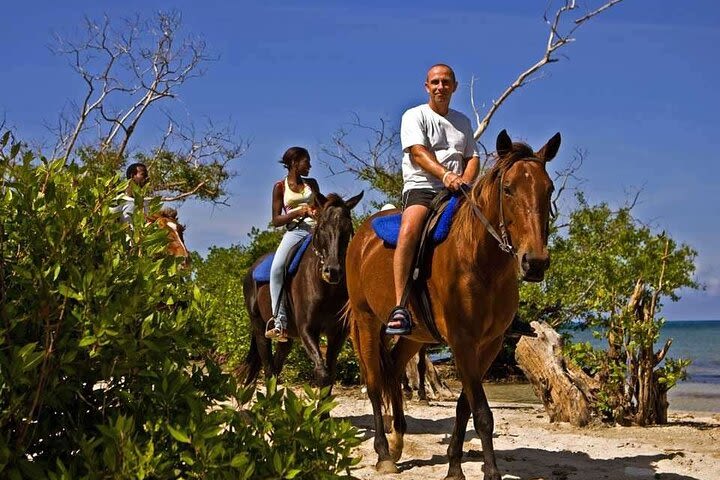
<point x="426" y="160"/>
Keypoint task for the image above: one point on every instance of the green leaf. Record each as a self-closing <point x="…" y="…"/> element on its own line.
<point x="68" y="292"/>
<point x="33" y="360"/>
<point x="26" y="350"/>
<point x="293" y="473"/>
<point x="178" y="435"/>
<point x="56" y="272"/>
<point x="239" y="461"/>
<point x="89" y="340"/>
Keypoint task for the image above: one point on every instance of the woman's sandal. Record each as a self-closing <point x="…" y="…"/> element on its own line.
<point x="401" y="315"/>
<point x="275" y="333"/>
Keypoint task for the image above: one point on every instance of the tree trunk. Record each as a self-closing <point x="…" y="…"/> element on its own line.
<point x="565" y="390"/>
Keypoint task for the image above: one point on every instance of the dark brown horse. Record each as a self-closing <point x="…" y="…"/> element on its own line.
<point x="473" y="288"/>
<point x="316" y="295"/>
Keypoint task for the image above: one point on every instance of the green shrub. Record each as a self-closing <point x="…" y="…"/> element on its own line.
<point x="106" y="367"/>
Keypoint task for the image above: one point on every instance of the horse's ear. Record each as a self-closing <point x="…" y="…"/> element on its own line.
<point x="319" y="200"/>
<point x="550" y="149"/>
<point x="352" y="202"/>
<point x="503" y="145"/>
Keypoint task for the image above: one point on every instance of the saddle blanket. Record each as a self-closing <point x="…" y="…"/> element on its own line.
<point x="388" y="226"/>
<point x="262" y="271"/>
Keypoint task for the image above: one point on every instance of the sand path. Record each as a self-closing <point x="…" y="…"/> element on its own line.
<point x="529" y="447"/>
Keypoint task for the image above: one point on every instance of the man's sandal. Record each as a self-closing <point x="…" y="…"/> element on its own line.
<point x="401" y="315"/>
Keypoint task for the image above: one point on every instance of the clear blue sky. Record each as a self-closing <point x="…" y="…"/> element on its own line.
<point x="638" y="91"/>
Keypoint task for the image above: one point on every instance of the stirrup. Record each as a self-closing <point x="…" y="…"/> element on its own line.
<point x="406" y="321"/>
<point x="275" y="333"/>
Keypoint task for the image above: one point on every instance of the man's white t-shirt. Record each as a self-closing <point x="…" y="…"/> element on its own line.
<point x="449" y="137"/>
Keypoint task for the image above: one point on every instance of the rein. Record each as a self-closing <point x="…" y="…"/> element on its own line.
<point x="502" y="238"/>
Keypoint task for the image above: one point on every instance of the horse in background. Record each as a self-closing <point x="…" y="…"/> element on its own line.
<point x="316" y="296"/>
<point x="166" y="218"/>
<point x="473" y="291"/>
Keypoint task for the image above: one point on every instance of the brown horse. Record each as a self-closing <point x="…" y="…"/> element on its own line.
<point x="316" y="295"/>
<point x="166" y="219"/>
<point x="473" y="289"/>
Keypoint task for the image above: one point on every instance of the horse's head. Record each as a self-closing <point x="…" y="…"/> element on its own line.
<point x="524" y="189"/>
<point x="167" y="220"/>
<point x="332" y="233"/>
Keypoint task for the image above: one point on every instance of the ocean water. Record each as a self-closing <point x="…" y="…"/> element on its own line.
<point x="699" y="341"/>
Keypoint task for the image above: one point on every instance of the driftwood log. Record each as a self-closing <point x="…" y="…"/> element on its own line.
<point x="565" y="390"/>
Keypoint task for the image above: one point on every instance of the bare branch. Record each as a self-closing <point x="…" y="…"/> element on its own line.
<point x="563" y="179"/>
<point x="660" y="355"/>
<point x="125" y="71"/>
<point x="596" y="12"/>
<point x="556" y="40"/>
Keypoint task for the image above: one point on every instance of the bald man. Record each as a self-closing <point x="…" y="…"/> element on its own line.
<point x="438" y="151"/>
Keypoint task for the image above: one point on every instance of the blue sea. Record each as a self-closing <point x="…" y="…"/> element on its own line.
<point x="699" y="341"/>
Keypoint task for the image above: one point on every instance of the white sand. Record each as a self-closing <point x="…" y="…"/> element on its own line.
<point x="529" y="447"/>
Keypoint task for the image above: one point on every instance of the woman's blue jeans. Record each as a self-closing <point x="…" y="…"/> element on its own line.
<point x="277" y="271"/>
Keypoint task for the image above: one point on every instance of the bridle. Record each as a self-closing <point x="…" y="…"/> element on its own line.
<point x="502" y="238"/>
<point x="316" y="250"/>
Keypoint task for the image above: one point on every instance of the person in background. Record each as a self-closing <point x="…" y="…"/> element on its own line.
<point x="137" y="173"/>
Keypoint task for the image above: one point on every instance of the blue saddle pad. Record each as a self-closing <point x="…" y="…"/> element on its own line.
<point x="387" y="227"/>
<point x="262" y="271"/>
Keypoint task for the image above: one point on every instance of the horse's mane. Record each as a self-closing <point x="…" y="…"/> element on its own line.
<point x="167" y="213"/>
<point x="334" y="200"/>
<point x="501" y="165"/>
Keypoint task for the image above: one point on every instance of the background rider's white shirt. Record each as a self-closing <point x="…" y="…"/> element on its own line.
<point x="127" y="207"/>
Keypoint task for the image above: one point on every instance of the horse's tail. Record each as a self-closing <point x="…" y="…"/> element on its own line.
<point x="390" y="381"/>
<point x="250" y="368"/>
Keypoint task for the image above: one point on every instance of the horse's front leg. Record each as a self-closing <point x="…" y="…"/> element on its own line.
<point x="484" y="425"/>
<point x="472" y="369"/>
<point x="310" y="337"/>
<point x="455" y="449"/>
<point x="335" y="340"/>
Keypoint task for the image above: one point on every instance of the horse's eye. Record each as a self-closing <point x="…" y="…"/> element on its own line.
<point x="507" y="190"/>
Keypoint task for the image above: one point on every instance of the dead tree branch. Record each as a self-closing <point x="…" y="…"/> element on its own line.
<point x="125" y="71"/>
<point x="556" y="40"/>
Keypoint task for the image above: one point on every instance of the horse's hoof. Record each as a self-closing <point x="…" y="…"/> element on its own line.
<point x="386" y="466"/>
<point x="455" y="473"/>
<point x="395" y="454"/>
<point x="396" y="446"/>
<point x="461" y="476"/>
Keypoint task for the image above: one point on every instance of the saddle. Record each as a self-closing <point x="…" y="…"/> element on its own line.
<point x="439" y="221"/>
<point x="435" y="231"/>
<point x="261" y="273"/>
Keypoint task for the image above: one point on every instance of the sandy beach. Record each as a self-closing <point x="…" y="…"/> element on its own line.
<point x="529" y="447"/>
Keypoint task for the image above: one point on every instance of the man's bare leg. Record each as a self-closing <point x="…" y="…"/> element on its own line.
<point x="410" y="229"/>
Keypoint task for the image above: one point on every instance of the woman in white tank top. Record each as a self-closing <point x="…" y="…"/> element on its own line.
<point x="292" y="200"/>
